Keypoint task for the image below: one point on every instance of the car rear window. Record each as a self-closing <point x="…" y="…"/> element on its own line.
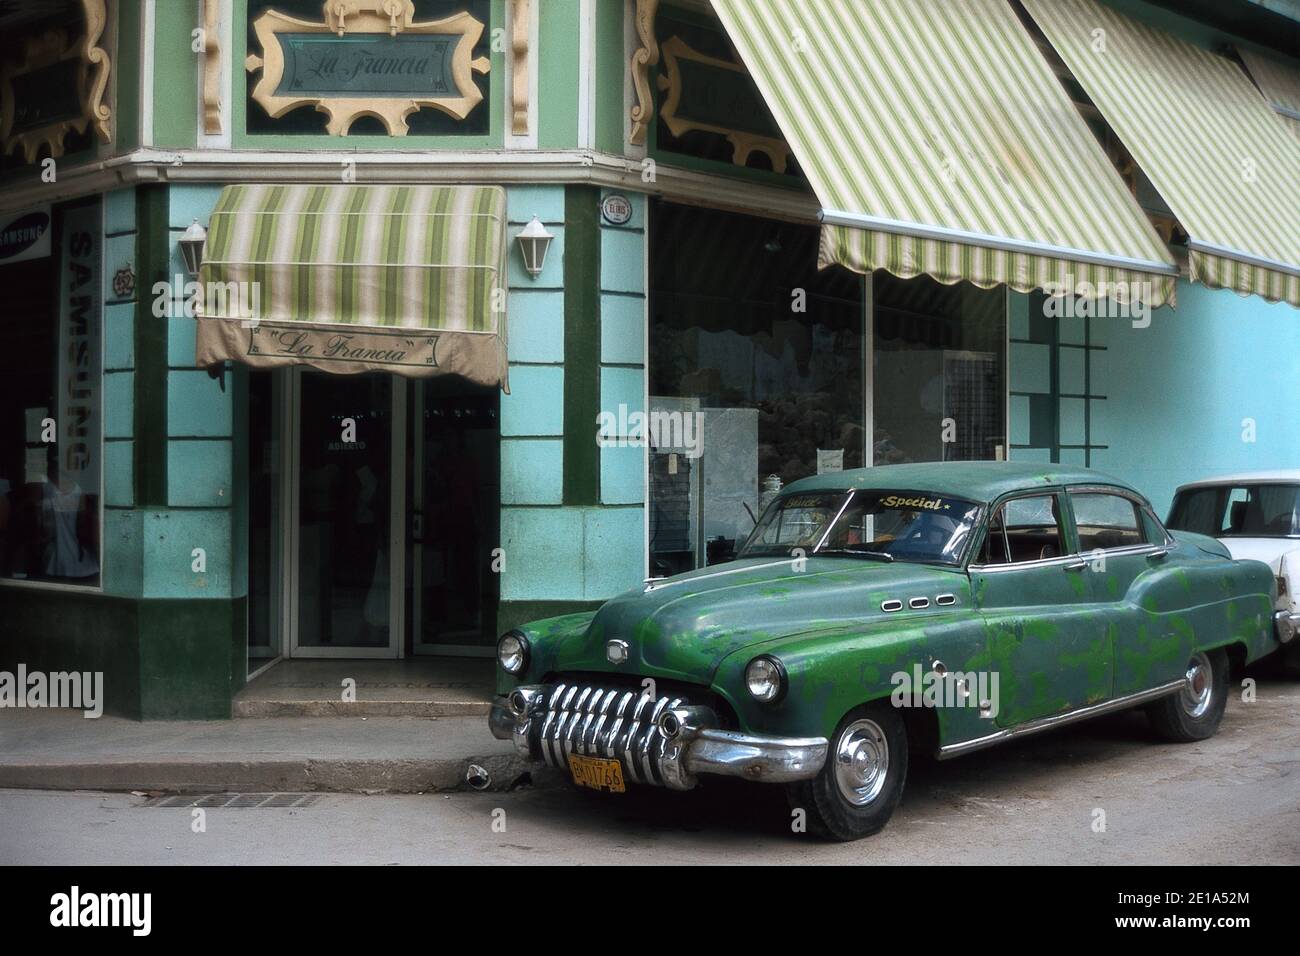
<point x="1238" y="510"/>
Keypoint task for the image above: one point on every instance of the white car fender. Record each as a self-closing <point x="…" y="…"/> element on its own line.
<point x="1288" y="570"/>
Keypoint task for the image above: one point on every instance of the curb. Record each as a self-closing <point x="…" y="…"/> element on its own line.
<point x="259" y="709"/>
<point x="300" y="774"/>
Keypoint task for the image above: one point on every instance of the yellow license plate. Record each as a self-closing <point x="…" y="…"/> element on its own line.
<point x="597" y="773"/>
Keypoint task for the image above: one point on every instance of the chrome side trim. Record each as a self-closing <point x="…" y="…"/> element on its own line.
<point x="1060" y="720"/>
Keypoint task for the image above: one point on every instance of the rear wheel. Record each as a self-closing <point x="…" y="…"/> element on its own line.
<point x="857" y="790"/>
<point x="1194" y="712"/>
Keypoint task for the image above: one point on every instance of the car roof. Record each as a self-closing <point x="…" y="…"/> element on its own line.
<point x="1281" y="476"/>
<point x="982" y="481"/>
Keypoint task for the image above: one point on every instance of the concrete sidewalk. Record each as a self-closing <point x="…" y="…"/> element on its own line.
<point x="61" y="750"/>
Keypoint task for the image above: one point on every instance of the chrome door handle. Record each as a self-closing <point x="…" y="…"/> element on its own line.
<point x="1077" y="565"/>
<point x="1158" y="555"/>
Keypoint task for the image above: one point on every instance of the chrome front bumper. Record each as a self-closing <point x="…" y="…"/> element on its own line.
<point x="663" y="742"/>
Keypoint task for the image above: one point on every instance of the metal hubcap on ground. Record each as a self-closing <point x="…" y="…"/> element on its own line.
<point x="861" y="762"/>
<point x="1196" y="693"/>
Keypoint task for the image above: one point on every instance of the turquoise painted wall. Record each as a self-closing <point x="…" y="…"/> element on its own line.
<point x="556" y="553"/>
<point x="1179" y="391"/>
<point x="1177" y="401"/>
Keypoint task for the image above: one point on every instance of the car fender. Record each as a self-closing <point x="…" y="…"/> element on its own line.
<point x="830" y="671"/>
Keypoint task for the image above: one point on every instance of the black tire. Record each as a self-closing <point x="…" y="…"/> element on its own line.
<point x="1189" y="715"/>
<point x="831" y="813"/>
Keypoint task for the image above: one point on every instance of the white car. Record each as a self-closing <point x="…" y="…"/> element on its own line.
<point x="1255" y="515"/>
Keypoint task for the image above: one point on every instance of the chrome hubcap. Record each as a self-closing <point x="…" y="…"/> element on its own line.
<point x="861" y="762"/>
<point x="1196" y="692"/>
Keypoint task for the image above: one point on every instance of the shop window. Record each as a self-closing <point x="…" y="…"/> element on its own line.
<point x="362" y="74"/>
<point x="939" y="363"/>
<point x="51" y="453"/>
<point x="756" y="376"/>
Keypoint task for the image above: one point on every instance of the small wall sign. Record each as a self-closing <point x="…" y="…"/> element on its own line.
<point x="616" y="209"/>
<point x="25" y="235"/>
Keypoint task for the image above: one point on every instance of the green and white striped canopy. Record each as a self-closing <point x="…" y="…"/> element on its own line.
<point x="352" y="278"/>
<point x="939" y="141"/>
<point x="1214" y="150"/>
<point x="1278" y="81"/>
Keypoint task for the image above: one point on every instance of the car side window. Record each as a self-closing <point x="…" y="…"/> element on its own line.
<point x="1024" y="529"/>
<point x="1106" y="522"/>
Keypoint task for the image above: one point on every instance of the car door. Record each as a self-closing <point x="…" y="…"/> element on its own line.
<point x="1125" y="549"/>
<point x="1048" y="650"/>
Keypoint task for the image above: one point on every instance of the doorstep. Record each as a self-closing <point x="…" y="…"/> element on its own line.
<point x="61" y="750"/>
<point x="416" y="687"/>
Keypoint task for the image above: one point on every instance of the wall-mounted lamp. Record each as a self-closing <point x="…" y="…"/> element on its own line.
<point x="191" y="242"/>
<point x="534" y="241"/>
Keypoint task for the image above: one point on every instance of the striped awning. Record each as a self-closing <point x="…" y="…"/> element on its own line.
<point x="350" y="278"/>
<point x="938" y="140"/>
<point x="1216" y="153"/>
<point x="1279" y="81"/>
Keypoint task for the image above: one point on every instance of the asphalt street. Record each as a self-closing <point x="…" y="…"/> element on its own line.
<point x="1232" y="799"/>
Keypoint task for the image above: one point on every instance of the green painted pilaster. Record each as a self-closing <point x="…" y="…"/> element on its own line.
<point x="175" y="75"/>
<point x="152" y="256"/>
<point x="611" y="68"/>
<point x="126" y="77"/>
<point x="557" y="73"/>
<point x="581" y="344"/>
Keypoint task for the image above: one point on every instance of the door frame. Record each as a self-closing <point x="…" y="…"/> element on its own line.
<point x="290" y="409"/>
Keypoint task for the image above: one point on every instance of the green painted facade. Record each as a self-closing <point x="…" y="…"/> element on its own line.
<point x="172" y="640"/>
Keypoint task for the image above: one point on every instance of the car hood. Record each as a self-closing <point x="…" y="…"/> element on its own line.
<point x="682" y="627"/>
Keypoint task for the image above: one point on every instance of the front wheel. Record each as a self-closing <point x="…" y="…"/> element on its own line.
<point x="857" y="790"/>
<point x="1194" y="712"/>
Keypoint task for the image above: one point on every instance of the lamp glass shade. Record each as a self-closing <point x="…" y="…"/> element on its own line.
<point x="534" y="241"/>
<point x="192" y="242"/>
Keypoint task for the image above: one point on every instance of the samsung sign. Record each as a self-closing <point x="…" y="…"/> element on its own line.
<point x="25" y="235"/>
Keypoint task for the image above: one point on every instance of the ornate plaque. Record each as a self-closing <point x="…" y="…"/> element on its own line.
<point x="57" y="88"/>
<point x="706" y="93"/>
<point x="367" y="59"/>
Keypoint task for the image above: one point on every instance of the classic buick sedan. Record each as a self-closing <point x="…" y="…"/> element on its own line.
<point x="941" y="607"/>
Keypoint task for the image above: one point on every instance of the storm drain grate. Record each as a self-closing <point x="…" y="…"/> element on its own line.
<point x="236" y="801"/>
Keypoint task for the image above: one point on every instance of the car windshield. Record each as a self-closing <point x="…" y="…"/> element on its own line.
<point x="881" y="525"/>
<point x="1238" y="511"/>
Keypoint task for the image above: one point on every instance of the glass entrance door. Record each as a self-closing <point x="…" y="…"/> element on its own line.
<point x="455" y="491"/>
<point x="348" y="534"/>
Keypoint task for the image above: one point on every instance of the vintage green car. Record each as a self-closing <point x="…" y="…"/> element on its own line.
<point x="942" y="607"/>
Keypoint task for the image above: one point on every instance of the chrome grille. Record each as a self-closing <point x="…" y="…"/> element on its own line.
<point x="615" y="723"/>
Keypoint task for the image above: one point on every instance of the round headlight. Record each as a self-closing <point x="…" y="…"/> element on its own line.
<point x="765" y="679"/>
<point x="512" y="652"/>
